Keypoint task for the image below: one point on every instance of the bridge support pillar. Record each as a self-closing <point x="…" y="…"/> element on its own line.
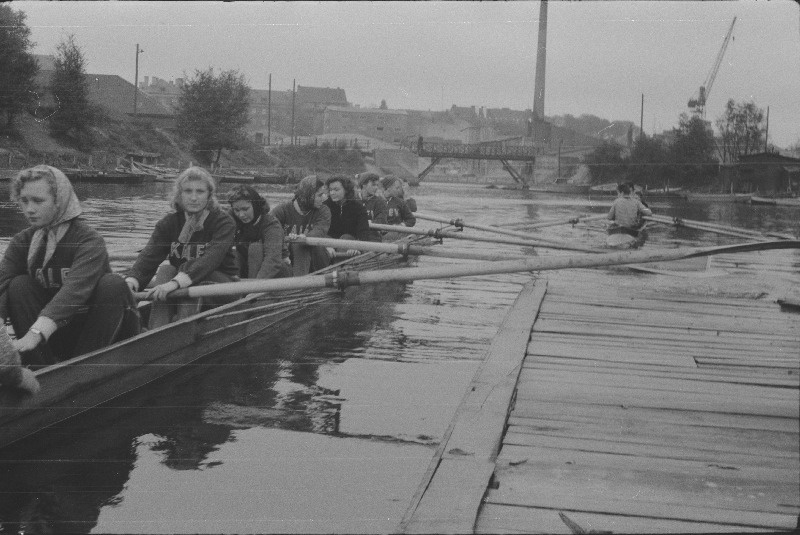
<point x="427" y="170"/>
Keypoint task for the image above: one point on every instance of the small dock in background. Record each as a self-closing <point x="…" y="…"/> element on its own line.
<point x="618" y="408"/>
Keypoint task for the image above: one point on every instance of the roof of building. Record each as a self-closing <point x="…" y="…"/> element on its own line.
<point x="321" y="95"/>
<point x="767" y="156"/>
<point x="112" y="92"/>
<point x="366" y="110"/>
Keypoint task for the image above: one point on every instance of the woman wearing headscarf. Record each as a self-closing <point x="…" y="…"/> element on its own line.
<point x="56" y="285"/>
<point x="259" y="236"/>
<point x="306" y="215"/>
<point x="197" y="241"/>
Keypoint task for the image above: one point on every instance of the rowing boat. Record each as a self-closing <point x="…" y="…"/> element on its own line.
<point x="74" y="386"/>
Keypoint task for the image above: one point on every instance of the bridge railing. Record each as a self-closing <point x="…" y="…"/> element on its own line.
<point x="475" y="151"/>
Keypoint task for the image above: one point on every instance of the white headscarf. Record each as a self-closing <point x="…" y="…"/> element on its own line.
<point x="68" y="207"/>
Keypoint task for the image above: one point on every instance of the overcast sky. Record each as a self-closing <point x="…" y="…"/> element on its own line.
<point x="601" y="55"/>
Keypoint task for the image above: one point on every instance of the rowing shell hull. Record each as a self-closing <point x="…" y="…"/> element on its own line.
<point x="74" y="386"/>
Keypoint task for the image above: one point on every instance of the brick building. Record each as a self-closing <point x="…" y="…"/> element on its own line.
<point x="387" y="125"/>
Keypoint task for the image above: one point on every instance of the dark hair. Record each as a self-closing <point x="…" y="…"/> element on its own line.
<point x="347" y="184"/>
<point x="305" y="191"/>
<point x="388" y="181"/>
<point x="624" y="189"/>
<point x="247" y="193"/>
<point x="363" y="178"/>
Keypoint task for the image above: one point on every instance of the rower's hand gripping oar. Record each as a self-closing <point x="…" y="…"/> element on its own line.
<point x="12" y="373"/>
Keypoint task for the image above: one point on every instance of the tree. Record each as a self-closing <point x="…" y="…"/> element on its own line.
<point x="740" y="130"/>
<point x="692" y="150"/>
<point x="605" y="162"/>
<point x="649" y="162"/>
<point x="17" y="65"/>
<point x="212" y="113"/>
<point x="73" y="115"/>
<point x="383" y="105"/>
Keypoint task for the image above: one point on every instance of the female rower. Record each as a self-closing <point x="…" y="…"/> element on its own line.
<point x="398" y="210"/>
<point x="259" y="236"/>
<point x="373" y="203"/>
<point x="306" y="215"/>
<point x="56" y="286"/>
<point x="349" y="219"/>
<point x="196" y="239"/>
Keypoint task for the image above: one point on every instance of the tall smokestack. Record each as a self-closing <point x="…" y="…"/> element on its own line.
<point x="541" y="57"/>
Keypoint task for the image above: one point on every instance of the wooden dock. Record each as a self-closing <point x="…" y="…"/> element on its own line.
<point x="634" y="411"/>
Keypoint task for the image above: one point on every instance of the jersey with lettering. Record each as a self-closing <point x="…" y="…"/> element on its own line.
<point x="207" y="250"/>
<point x="70" y="275"/>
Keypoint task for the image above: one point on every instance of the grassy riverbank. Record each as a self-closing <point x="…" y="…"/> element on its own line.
<point x="112" y="138"/>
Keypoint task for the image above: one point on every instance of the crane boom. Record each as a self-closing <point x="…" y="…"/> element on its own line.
<point x="699" y="103"/>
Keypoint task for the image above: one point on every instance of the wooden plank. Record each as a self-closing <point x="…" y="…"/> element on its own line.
<point x="647" y="316"/>
<point x="673" y="481"/>
<point x="589" y="485"/>
<point x="449" y="496"/>
<point x="680" y="437"/>
<point x="564" y="349"/>
<point x="665" y="345"/>
<point x="495" y="518"/>
<point x="655" y="384"/>
<point x="634" y="397"/>
<point x="537" y="362"/>
<point x="524" y="408"/>
<point x="732" y="339"/>
<point x="733" y="308"/>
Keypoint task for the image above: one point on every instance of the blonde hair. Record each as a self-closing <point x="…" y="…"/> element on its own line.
<point x="39" y="172"/>
<point x="195" y="173"/>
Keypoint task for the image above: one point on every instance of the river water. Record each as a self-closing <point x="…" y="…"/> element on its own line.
<point x="328" y="426"/>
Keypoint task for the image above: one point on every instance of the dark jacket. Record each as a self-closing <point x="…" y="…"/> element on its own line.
<point x="259" y="248"/>
<point x="208" y="250"/>
<point x="348" y="217"/>
<point x="399" y="212"/>
<point x="70" y="276"/>
<point x="377" y="212"/>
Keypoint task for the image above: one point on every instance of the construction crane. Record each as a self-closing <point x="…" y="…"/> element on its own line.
<point x="699" y="102"/>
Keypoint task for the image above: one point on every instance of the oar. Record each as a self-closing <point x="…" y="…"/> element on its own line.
<point x="570" y="221"/>
<point x="343" y="279"/>
<point x="712" y="227"/>
<point x="740" y="233"/>
<point x="524" y="235"/>
<point x="439" y="234"/>
<point x="402" y="248"/>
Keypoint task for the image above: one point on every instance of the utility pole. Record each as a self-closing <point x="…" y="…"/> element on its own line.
<point x="766" y="134"/>
<point x="136" y="83"/>
<point x="269" y="110"/>
<point x="293" y="95"/>
<point x="641" y="119"/>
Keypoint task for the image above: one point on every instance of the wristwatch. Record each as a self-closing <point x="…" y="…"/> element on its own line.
<point x="37" y="331"/>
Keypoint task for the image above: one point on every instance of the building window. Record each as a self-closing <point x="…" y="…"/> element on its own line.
<point x="380" y="129"/>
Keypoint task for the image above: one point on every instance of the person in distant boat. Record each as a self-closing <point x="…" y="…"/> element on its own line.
<point x="376" y="207"/>
<point x="258" y="238"/>
<point x="638" y="193"/>
<point x="626" y="212"/>
<point x="56" y="285"/>
<point x="197" y="241"/>
<point x="306" y="215"/>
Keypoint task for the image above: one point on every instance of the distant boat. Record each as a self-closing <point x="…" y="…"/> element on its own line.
<point x="775" y="201"/>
